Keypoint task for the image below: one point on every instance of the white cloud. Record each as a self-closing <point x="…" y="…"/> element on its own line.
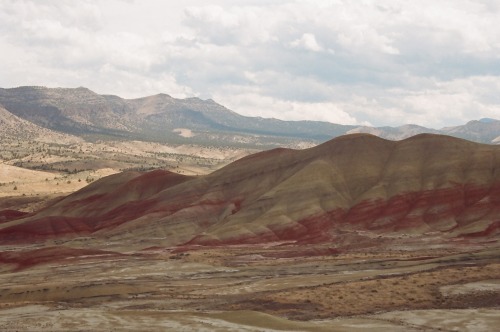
<point x="385" y="62"/>
<point x="308" y="42"/>
<point x="257" y="105"/>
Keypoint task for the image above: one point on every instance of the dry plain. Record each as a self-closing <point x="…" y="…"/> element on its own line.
<point x="274" y="288"/>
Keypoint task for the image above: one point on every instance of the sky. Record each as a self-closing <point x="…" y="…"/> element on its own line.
<point x="382" y="62"/>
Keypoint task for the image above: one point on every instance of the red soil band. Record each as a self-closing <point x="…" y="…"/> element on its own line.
<point x="9" y="215"/>
<point x="30" y="258"/>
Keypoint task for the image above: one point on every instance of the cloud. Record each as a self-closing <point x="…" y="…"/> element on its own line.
<point x="256" y="105"/>
<point x="385" y="62"/>
<point x="308" y="42"/>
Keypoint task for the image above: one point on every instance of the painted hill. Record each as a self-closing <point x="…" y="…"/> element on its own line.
<point x="353" y="190"/>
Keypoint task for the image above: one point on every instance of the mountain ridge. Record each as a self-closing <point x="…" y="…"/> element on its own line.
<point x="85" y="113"/>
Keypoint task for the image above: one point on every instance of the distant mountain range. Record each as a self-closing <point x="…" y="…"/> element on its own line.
<point x="84" y="113"/>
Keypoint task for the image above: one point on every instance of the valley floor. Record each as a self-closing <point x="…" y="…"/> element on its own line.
<point x="276" y="288"/>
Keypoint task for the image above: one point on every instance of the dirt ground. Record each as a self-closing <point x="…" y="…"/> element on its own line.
<point x="251" y="289"/>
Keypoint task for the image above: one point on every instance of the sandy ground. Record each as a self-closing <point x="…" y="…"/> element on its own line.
<point x="10" y="174"/>
<point x="447" y="320"/>
<point x="43" y="318"/>
<point x="184" y="132"/>
<point x="17" y="181"/>
<point x="470" y="288"/>
<point x="70" y="156"/>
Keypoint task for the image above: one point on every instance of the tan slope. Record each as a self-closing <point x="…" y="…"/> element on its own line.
<point x="19" y="182"/>
<point x="10" y="174"/>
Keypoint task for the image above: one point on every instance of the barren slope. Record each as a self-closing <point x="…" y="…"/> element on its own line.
<point x="12" y="126"/>
<point x="354" y="190"/>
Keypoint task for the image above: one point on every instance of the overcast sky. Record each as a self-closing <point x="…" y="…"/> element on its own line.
<point x="382" y="62"/>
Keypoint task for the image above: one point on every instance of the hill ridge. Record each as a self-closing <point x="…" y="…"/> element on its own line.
<point x="431" y="186"/>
